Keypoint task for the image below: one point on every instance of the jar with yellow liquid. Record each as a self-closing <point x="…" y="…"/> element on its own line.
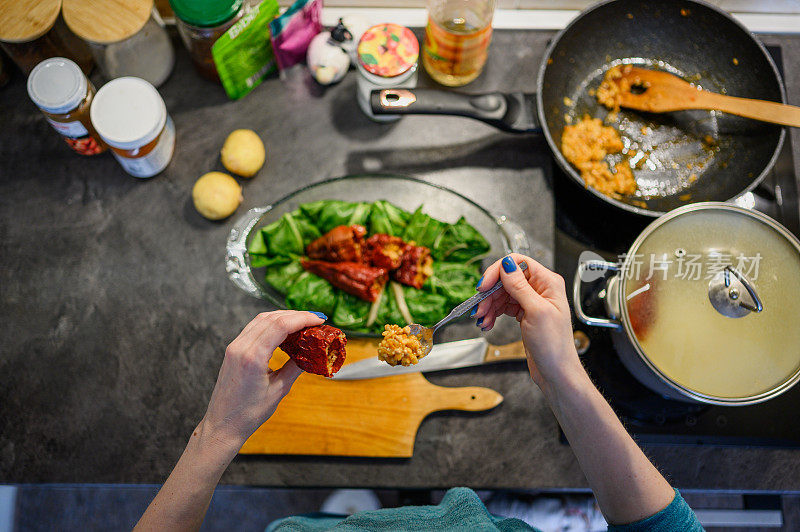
<point x="457" y="40"/>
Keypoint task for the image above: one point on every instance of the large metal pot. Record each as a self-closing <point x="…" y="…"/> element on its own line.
<point x="724" y="329"/>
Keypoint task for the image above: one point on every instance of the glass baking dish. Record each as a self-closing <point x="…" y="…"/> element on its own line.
<point x="503" y="235"/>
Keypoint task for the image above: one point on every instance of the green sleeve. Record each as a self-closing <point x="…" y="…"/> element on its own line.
<point x="461" y="509"/>
<point x="676" y="516"/>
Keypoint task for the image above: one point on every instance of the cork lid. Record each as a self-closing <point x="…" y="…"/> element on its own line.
<point x="25" y="21"/>
<point x="106" y="21"/>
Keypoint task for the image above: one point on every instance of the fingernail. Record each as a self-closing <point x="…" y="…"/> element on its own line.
<point x="473" y="311"/>
<point x="509" y="265"/>
<point x="479" y="322"/>
<point x="479" y="283"/>
<point x="319" y="314"/>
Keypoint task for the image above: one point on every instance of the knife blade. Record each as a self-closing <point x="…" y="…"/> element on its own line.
<point x="450" y="355"/>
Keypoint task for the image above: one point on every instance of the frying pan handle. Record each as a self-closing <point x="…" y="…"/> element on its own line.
<point x="508" y="112"/>
<point x="593" y="266"/>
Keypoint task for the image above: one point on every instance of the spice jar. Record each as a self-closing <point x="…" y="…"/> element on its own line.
<point x="31" y="32"/>
<point x="387" y="58"/>
<point x="200" y="23"/>
<point x="61" y="91"/>
<point x="126" y="37"/>
<point x="131" y="117"/>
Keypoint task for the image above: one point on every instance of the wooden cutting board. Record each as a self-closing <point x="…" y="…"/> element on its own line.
<point x="370" y="417"/>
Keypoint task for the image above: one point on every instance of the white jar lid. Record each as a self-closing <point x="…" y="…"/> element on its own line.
<point x="57" y="85"/>
<point x="128" y="113"/>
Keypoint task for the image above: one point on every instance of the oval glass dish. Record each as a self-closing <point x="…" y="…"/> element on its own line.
<point x="503" y="235"/>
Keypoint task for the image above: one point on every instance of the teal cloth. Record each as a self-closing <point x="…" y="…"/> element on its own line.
<point x="461" y="509"/>
<point x="676" y="516"/>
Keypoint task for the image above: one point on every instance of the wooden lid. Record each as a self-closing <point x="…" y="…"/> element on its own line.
<point x="22" y="21"/>
<point x="106" y="21"/>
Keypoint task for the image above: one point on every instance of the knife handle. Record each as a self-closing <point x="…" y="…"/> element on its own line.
<point x="502" y="353"/>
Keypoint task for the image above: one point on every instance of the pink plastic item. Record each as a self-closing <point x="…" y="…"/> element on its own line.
<point x="292" y="32"/>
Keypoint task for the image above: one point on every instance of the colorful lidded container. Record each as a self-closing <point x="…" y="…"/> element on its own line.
<point x="387" y="58"/>
<point x="61" y="91"/>
<point x="131" y="117"/>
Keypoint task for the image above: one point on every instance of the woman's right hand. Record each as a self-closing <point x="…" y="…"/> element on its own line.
<point x="538" y="300"/>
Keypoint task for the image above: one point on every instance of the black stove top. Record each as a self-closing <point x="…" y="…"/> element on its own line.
<point x="584" y="222"/>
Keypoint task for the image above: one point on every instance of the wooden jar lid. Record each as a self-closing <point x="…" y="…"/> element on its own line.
<point x="23" y="21"/>
<point x="106" y="21"/>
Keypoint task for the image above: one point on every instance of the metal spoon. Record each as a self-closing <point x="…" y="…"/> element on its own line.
<point x="425" y="334"/>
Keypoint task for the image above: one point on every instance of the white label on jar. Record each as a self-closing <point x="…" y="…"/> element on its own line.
<point x="156" y="160"/>
<point x="71" y="130"/>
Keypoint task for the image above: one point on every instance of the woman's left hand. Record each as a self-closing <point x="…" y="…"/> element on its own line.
<point x="247" y="391"/>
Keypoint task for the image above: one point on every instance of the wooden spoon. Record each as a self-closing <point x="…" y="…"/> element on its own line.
<point x="661" y="92"/>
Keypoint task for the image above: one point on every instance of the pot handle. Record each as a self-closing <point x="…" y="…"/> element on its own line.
<point x="583" y="267"/>
<point x="512" y="112"/>
<point x="236" y="263"/>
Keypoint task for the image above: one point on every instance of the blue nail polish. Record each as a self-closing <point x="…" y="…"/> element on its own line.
<point x="473" y="311"/>
<point x="509" y="265"/>
<point x="479" y="322"/>
<point x="319" y="314"/>
<point x="479" y="283"/>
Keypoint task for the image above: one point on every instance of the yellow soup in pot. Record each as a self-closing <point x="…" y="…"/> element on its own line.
<point x="684" y="336"/>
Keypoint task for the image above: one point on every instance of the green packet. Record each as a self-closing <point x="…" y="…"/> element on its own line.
<point x="243" y="54"/>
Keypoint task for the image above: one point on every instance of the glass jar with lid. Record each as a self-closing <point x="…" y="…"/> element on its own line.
<point x="127" y="37"/>
<point x="131" y="117"/>
<point x="31" y="32"/>
<point x="387" y="58"/>
<point x="61" y="91"/>
<point x="200" y="23"/>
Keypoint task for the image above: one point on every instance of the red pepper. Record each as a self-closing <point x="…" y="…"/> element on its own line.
<point x="360" y="280"/>
<point x="340" y="244"/>
<point x="319" y="350"/>
<point x="384" y="251"/>
<point x="416" y="266"/>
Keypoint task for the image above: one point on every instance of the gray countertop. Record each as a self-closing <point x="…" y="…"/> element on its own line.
<point x="116" y="308"/>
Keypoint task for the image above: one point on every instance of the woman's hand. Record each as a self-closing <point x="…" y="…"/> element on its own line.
<point x="245" y="396"/>
<point x="627" y="486"/>
<point x="538" y="300"/>
<point x="247" y="391"/>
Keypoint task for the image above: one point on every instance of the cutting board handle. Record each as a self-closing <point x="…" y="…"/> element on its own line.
<point x="470" y="398"/>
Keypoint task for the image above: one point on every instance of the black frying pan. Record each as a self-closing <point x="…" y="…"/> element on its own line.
<point x="692" y="155"/>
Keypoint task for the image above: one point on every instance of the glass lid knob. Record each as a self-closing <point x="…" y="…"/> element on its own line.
<point x="732" y="294"/>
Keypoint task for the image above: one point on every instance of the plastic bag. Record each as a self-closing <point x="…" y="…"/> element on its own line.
<point x="292" y="32"/>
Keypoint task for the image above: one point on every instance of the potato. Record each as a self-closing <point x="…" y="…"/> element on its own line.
<point x="243" y="153"/>
<point x="216" y="195"/>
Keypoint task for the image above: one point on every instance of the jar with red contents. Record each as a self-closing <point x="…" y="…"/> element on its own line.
<point x="61" y="91"/>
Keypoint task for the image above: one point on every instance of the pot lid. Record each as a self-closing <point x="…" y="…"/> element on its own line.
<point x="115" y="21"/>
<point x="711" y="296"/>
